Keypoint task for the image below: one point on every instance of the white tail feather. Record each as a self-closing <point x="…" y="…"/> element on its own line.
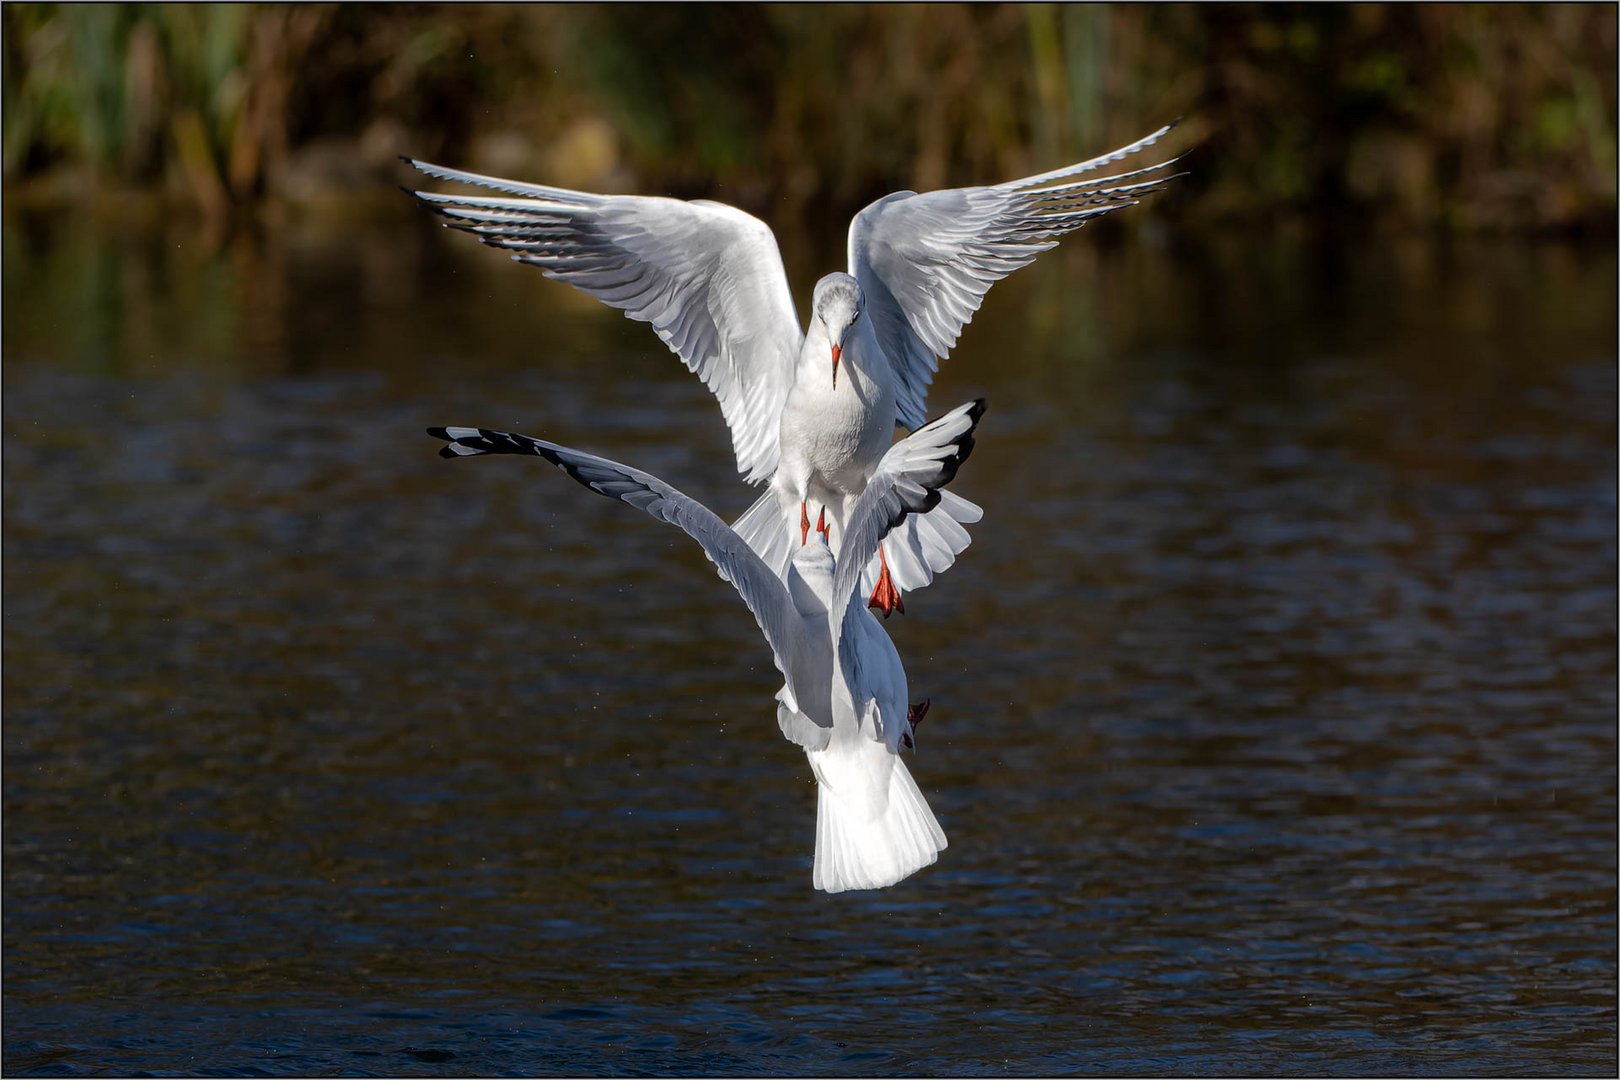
<point x="922" y="546"/>
<point x="873" y="827"/>
<point x="762" y="529"/>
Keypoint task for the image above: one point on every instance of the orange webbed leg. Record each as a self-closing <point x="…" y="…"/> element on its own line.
<point x="885" y="597"/>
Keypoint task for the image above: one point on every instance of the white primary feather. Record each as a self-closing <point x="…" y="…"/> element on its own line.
<point x="707" y="276"/>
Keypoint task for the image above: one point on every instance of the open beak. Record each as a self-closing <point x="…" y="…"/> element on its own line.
<point x="838" y="350"/>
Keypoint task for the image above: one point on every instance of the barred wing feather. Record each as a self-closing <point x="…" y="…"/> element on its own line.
<point x="926" y="261"/>
<point x="707" y="277"/>
<point x="764" y="593"/>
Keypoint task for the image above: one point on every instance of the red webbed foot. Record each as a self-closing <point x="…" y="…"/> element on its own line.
<point x="885" y="597"/>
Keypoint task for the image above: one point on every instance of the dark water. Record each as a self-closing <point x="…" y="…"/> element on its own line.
<point x="1273" y="706"/>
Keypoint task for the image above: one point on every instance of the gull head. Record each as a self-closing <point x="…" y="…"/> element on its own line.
<point x="838" y="302"/>
<point x="810" y="576"/>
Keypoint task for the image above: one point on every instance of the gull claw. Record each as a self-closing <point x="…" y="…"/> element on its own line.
<point x="914" y="716"/>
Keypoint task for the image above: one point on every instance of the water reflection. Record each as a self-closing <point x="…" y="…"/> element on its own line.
<point x="1274" y="701"/>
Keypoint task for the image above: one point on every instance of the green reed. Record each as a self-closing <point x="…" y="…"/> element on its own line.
<point x="1473" y="116"/>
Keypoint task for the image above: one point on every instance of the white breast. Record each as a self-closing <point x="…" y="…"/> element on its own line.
<point x="840" y="433"/>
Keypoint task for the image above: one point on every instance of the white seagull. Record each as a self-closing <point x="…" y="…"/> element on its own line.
<point x="811" y="412"/>
<point x="846" y="699"/>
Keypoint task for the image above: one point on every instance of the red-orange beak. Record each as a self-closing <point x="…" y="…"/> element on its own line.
<point x="838" y="350"/>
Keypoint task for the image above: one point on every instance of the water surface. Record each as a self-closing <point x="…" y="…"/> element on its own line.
<point x="1273" y="714"/>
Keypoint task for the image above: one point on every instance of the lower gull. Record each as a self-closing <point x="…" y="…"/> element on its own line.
<point x="845" y="700"/>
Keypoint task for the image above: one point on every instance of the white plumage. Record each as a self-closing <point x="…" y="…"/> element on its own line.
<point x="709" y="279"/>
<point x="845" y="695"/>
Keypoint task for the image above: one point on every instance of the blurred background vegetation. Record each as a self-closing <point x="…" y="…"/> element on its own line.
<point x="1457" y="116"/>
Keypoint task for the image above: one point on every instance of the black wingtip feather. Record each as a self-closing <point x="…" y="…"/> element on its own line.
<point x="951" y="465"/>
<point x="965" y="444"/>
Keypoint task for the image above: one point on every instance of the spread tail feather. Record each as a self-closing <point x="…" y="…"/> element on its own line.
<point x="762" y="529"/>
<point x="922" y="546"/>
<point x="871" y="830"/>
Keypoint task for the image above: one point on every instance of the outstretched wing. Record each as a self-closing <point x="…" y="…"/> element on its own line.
<point x="707" y="276"/>
<point x="908" y="480"/>
<point x="925" y="261"/>
<point x="735" y="561"/>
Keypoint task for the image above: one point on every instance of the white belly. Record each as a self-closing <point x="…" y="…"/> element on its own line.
<point x="834" y="437"/>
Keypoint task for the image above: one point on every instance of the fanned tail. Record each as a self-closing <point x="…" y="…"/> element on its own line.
<point x="762" y="528"/>
<point x="873" y="826"/>
<point x="920" y="547"/>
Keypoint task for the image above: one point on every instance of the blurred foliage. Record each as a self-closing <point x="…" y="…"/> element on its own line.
<point x="1468" y="116"/>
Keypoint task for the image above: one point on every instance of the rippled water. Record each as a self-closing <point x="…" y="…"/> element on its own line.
<point x="1273" y="706"/>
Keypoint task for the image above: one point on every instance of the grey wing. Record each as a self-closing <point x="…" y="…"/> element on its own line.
<point x="707" y="276"/>
<point x="925" y="261"/>
<point x="907" y="480"/>
<point x="872" y="670"/>
<point x="734" y="560"/>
